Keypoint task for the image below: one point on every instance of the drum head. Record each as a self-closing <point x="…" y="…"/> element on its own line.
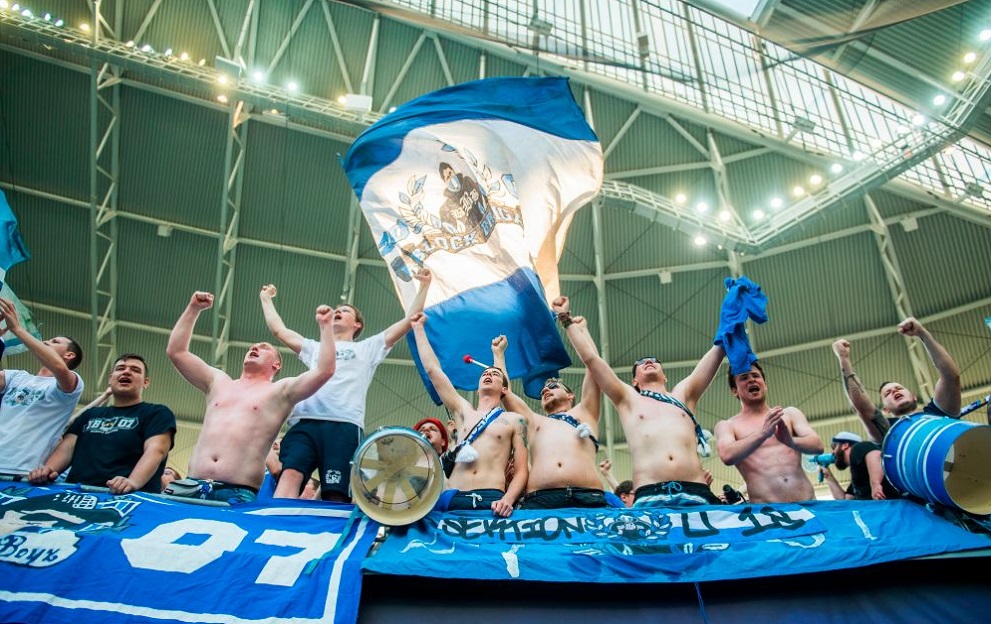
<point x="396" y="476"/>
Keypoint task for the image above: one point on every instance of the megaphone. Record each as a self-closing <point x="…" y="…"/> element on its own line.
<point x="811" y="463"/>
<point x="396" y="476"/>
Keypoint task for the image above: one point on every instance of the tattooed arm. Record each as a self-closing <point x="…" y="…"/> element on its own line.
<point x="857" y="395"/>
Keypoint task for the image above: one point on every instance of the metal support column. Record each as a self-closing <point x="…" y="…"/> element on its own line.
<point x="600" y="291"/>
<point x="230" y="213"/>
<point x="104" y="185"/>
<point x="354" y="236"/>
<point x="899" y="296"/>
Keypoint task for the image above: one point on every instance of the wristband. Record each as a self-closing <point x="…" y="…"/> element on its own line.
<point x="565" y="319"/>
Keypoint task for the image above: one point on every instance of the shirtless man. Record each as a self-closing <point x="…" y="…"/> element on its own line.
<point x="480" y="482"/>
<point x="660" y="428"/>
<point x="562" y="459"/>
<point x="766" y="443"/>
<point x="898" y="401"/>
<point x="243" y="415"/>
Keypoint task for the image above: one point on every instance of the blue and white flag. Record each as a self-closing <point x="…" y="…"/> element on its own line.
<point x="665" y="545"/>
<point x="72" y="556"/>
<point x="479" y="182"/>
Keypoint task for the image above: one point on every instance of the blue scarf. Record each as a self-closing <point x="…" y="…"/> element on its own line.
<point x="670" y="400"/>
<point x="481" y="425"/>
<point x="571" y="420"/>
<point x="465" y="445"/>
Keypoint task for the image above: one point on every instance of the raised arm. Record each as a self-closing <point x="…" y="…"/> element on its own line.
<point x="605" y="469"/>
<point x="946" y="394"/>
<point x="454" y="402"/>
<point x="48" y="357"/>
<point x="511" y="401"/>
<point x="591" y="400"/>
<point x="601" y="373"/>
<point x="395" y="332"/>
<point x="274" y="321"/>
<point x="692" y="388"/>
<point x="306" y="384"/>
<point x="856" y="394"/>
<point x="189" y="365"/>
<point x="98" y="401"/>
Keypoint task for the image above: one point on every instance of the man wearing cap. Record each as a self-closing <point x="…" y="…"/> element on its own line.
<point x="489" y="437"/>
<point x="896" y="400"/>
<point x="867" y="480"/>
<point x="766" y="443"/>
<point x="435" y="433"/>
<point x="563" y="441"/>
<point x="660" y="427"/>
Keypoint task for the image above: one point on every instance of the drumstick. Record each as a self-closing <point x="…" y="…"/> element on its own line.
<point x="470" y="360"/>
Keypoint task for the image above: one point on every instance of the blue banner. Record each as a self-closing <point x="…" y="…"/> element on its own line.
<point x="73" y="556"/>
<point x="707" y="543"/>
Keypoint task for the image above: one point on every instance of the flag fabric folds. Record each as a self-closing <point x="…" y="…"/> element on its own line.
<point x="478" y="182"/>
<point x="12" y="251"/>
<point x="12" y="247"/>
<point x="12" y="342"/>
<point x="744" y="300"/>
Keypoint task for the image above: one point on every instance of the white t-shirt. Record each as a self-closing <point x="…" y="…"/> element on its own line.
<point x="342" y="398"/>
<point x="33" y="413"/>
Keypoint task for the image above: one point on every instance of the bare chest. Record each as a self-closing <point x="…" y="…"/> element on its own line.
<point x="243" y="399"/>
<point x="499" y="432"/>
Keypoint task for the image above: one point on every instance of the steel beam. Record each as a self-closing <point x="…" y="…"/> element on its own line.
<point x="899" y="296"/>
<point x="104" y="182"/>
<point x="230" y="213"/>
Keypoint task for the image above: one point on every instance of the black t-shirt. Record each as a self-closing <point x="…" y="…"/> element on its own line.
<point x="860" y="478"/>
<point x="110" y="441"/>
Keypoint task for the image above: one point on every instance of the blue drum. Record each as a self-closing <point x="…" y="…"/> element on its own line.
<point x="940" y="460"/>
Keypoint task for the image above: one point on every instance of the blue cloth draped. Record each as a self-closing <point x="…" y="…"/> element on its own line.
<point x="744" y="300"/>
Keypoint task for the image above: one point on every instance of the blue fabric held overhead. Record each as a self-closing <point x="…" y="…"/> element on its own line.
<point x="72" y="556"/>
<point x="12" y="247"/>
<point x="478" y="182"/>
<point x="744" y="300"/>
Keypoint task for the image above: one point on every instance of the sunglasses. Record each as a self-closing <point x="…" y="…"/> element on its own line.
<point x="644" y="360"/>
<point x="553" y="383"/>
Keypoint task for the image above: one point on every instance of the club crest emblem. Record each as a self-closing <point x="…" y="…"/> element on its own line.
<point x="451" y="209"/>
<point x="41" y="531"/>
